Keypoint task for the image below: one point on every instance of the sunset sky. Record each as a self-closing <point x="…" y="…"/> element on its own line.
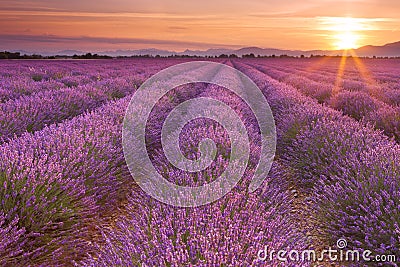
<point x="54" y="25"/>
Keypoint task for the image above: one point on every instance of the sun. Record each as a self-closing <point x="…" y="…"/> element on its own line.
<point x="346" y="40"/>
<point x="344" y="31"/>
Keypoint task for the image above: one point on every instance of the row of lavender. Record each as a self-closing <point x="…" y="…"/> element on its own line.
<point x="371" y="232"/>
<point x="383" y="89"/>
<point x="59" y="182"/>
<point x="349" y="171"/>
<point x="23" y="78"/>
<point x="177" y="247"/>
<point x="55" y="185"/>
<point x="62" y="180"/>
<point x="356" y="71"/>
<point x="228" y="232"/>
<point x="371" y="103"/>
<point x="44" y="102"/>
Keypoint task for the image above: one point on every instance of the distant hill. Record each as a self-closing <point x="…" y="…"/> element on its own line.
<point x="66" y="53"/>
<point x="388" y="50"/>
<point x="127" y="53"/>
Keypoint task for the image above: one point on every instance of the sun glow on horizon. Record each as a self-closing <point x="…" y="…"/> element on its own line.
<point x="345" y="32"/>
<point x="346" y="40"/>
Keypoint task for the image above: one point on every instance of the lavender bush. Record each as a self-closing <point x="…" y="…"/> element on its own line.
<point x="229" y="232"/>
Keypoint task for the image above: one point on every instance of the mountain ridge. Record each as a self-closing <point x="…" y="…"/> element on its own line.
<point x="387" y="50"/>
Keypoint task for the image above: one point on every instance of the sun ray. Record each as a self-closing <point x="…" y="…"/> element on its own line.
<point x="339" y="76"/>
<point x="346" y="40"/>
<point x="364" y="72"/>
<point x="346" y="32"/>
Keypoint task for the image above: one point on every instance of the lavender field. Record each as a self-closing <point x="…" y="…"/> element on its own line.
<point x="67" y="197"/>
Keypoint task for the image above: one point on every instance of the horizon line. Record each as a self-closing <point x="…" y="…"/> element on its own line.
<point x="152" y="44"/>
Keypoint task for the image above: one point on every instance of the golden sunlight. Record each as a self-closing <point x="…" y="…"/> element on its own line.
<point x="345" y="32"/>
<point x="346" y="40"/>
